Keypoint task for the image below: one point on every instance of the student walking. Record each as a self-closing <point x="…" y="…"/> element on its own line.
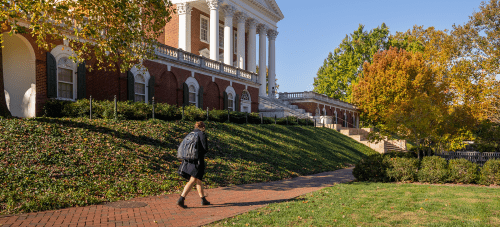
<point x="193" y="170"/>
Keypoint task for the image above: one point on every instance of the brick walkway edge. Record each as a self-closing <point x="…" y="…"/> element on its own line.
<point x="163" y="211"/>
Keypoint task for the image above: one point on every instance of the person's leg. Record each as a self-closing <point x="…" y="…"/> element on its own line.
<point x="188" y="186"/>
<point x="199" y="186"/>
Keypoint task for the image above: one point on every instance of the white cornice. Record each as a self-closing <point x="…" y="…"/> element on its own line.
<point x="276" y="16"/>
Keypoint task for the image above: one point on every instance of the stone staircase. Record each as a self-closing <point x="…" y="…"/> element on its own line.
<point x="274" y="107"/>
<point x="269" y="107"/>
<point x="361" y="134"/>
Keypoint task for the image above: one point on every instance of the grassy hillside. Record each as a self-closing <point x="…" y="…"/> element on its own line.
<point x="48" y="163"/>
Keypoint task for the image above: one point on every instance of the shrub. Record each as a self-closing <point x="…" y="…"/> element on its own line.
<point x="402" y="169"/>
<point x="490" y="173"/>
<point x="193" y="113"/>
<point x="433" y="170"/>
<point x="372" y="168"/>
<point x="128" y="110"/>
<point x="134" y="110"/>
<point x="56" y="108"/>
<point x="401" y="154"/>
<point x="462" y="171"/>
<point x="167" y="112"/>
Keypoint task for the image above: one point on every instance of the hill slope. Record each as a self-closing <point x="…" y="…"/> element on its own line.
<point x="50" y="163"/>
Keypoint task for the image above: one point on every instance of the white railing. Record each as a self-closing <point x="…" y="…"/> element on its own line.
<point x="215" y="65"/>
<point x="275" y="104"/>
<point x="247" y="75"/>
<point x="285" y="96"/>
<point x="230" y="70"/>
<point x="168" y="52"/>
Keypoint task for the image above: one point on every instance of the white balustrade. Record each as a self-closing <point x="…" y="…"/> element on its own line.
<point x="230" y="70"/>
<point x="313" y="95"/>
<point x="246" y="74"/>
<point x="192" y="59"/>
<point x="211" y="64"/>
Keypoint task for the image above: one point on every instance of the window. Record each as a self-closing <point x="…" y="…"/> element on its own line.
<point x="221" y="36"/>
<point x="246" y="102"/>
<point x="230" y="101"/>
<point x="65" y="78"/>
<point x="245" y="96"/>
<point x="140" y="88"/>
<point x="204" y="29"/>
<point x="192" y="95"/>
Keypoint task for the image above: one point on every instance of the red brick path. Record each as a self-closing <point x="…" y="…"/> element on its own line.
<point x="163" y="211"/>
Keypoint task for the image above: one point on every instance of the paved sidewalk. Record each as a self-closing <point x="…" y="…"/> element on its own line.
<point x="163" y="211"/>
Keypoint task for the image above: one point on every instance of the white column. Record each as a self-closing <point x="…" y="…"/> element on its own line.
<point x="262" y="29"/>
<point x="272" y="34"/>
<point x="252" y="45"/>
<point x="184" y="11"/>
<point x="188" y="24"/>
<point x="213" y="5"/>
<point x="228" y="35"/>
<point x="240" y="56"/>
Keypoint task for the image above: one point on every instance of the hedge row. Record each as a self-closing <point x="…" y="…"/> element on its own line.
<point x="404" y="167"/>
<point x="127" y="110"/>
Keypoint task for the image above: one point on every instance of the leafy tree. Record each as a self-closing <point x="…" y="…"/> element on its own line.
<point x="116" y="33"/>
<point x="479" y="51"/>
<point x="399" y="93"/>
<point x="342" y="68"/>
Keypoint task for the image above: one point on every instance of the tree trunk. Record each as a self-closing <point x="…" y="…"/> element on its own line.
<point x="4" y="111"/>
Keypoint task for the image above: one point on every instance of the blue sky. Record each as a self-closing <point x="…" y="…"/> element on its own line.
<point x="311" y="29"/>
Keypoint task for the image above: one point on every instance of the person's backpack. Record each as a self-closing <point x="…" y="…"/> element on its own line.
<point x="187" y="149"/>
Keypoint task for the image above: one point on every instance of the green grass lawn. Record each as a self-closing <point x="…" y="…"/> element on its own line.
<point x="381" y="204"/>
<point x="48" y="163"/>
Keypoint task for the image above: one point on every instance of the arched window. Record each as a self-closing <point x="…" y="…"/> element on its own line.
<point x="192" y="95"/>
<point x="246" y="102"/>
<point x="65" y="78"/>
<point x="230" y="101"/>
<point x="140" y="88"/>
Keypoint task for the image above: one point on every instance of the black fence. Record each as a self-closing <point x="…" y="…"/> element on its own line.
<point x="477" y="157"/>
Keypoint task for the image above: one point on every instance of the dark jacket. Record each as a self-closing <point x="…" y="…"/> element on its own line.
<point x="196" y="168"/>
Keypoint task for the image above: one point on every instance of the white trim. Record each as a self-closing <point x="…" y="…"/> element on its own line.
<point x="192" y="81"/>
<point x="144" y="72"/>
<point x="208" y="29"/>
<point x="230" y="90"/>
<point x="246" y="103"/>
<point x="59" y="52"/>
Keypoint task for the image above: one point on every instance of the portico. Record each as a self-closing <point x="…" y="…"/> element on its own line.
<point x="240" y="21"/>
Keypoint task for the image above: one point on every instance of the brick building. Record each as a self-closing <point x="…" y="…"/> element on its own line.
<point x="207" y="57"/>
<point x="204" y="59"/>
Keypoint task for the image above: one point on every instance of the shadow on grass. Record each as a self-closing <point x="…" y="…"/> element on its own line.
<point x="320" y="180"/>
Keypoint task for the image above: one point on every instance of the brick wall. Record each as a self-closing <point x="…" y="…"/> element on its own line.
<point x="171" y="37"/>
